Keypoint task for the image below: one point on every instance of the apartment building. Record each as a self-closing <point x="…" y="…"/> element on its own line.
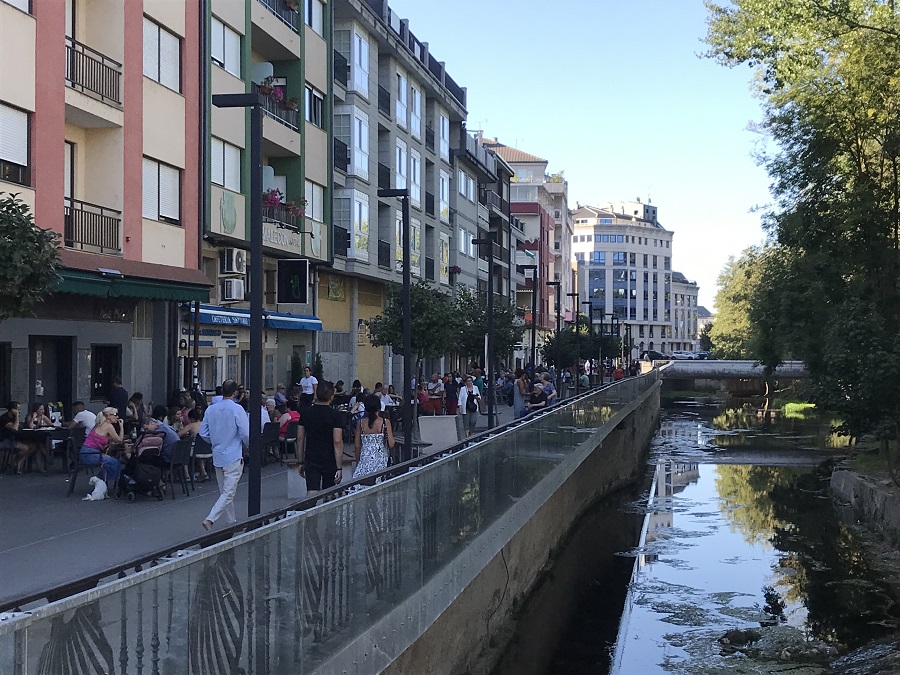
<point x="283" y="52"/>
<point x="685" y="314"/>
<point x="624" y="259"/>
<point x="98" y="135"/>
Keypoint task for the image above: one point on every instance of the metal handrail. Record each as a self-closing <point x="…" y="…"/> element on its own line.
<point x="288" y="17"/>
<point x="94" y="72"/>
<point x="135" y="565"/>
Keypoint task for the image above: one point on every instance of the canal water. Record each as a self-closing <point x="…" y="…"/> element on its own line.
<point x="731" y="558"/>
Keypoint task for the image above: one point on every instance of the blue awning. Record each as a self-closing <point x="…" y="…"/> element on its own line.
<point x="214" y="315"/>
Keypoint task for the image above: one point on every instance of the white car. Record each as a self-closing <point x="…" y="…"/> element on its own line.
<point x="682" y="355"/>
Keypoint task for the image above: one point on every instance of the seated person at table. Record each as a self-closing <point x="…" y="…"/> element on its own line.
<point x="538" y="397"/>
<point x="9" y="425"/>
<point x="159" y="414"/>
<point x="290" y="416"/>
<point x="37" y="418"/>
<point x="108" y="430"/>
<point x="82" y="417"/>
<point x="195" y="417"/>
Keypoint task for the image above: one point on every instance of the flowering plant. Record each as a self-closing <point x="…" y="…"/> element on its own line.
<point x="272" y="197"/>
<point x="277" y="94"/>
<point x="455" y="269"/>
<point x="296" y="208"/>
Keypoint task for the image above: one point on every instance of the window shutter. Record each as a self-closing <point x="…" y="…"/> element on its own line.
<point x="169" y="192"/>
<point x="169" y="60"/>
<point x="232" y="52"/>
<point x="13" y="135"/>
<point x="218" y="41"/>
<point x="217" y="162"/>
<point x="150" y="192"/>
<point x="232" y="167"/>
<point x="151" y="49"/>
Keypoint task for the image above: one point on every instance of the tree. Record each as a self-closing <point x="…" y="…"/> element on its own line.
<point x="29" y="259"/>
<point x="706" y="343"/>
<point x="470" y="323"/>
<point x="432" y="322"/>
<point x="570" y="346"/>
<point x="731" y="334"/>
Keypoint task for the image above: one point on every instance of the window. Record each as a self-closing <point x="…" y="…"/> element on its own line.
<point x="315" y="201"/>
<point x="226" y="47"/>
<point x="226" y="165"/>
<point x="619" y="258"/>
<point x="470" y="189"/>
<point x="598" y="257"/>
<point x="401" y="168"/>
<point x="579" y="256"/>
<point x="359" y="74"/>
<point x="462" y="241"/>
<point x="654" y="262"/>
<point x="398" y="239"/>
<point x="162" y="55"/>
<point x="23" y="5"/>
<point x="14" y="146"/>
<point x="360" y="239"/>
<point x="161" y="196"/>
<point x="315" y="13"/>
<point x="415" y="244"/>
<point x="415" y="114"/>
<point x="401" y="111"/>
<point x="444" y="194"/>
<point x="645" y="260"/>
<point x="473" y="248"/>
<point x="461" y="182"/>
<point x="106" y="363"/>
<point x="600" y="238"/>
<point x="667" y="263"/>
<point x="445" y="137"/>
<point x="360" y="152"/>
<point x="632" y="259"/>
<point x="415" y="178"/>
<point x="315" y="107"/>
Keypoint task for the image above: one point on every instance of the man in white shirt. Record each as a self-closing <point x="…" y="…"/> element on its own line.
<point x="227" y="428"/>
<point x="82" y="417"/>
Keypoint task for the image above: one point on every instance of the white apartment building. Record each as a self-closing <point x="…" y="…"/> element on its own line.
<point x="685" y="316"/>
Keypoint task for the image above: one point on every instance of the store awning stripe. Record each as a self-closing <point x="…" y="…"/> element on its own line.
<point x="87" y="283"/>
<point x="227" y="316"/>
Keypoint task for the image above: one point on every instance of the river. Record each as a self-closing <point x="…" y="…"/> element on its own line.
<point x="731" y="558"/>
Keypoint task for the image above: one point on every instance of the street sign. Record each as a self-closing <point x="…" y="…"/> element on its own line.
<point x="293" y="282"/>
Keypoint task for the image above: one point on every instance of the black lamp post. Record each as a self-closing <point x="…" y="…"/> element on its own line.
<point x="490" y="328"/>
<point x="602" y="334"/>
<point x="255" y="103"/>
<point x="558" y="286"/>
<point x="534" y="275"/>
<point x="405" y="299"/>
<point x="578" y="358"/>
<point x="590" y="306"/>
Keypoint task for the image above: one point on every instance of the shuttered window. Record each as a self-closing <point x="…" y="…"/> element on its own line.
<point x="226" y="165"/>
<point x="315" y="201"/>
<point x="161" y="198"/>
<point x="226" y="47"/>
<point x="14" y="146"/>
<point x="162" y="55"/>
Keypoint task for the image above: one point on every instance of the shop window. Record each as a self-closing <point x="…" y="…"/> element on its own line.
<point x="5" y="370"/>
<point x="106" y="363"/>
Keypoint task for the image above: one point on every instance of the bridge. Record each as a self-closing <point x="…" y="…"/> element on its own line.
<point x="422" y="571"/>
<point x="728" y="370"/>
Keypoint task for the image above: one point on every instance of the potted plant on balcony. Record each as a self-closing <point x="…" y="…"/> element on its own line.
<point x="265" y="87"/>
<point x="292" y="103"/>
<point x="296" y="207"/>
<point x="272" y="198"/>
<point x="455" y="269"/>
<point x="277" y="94"/>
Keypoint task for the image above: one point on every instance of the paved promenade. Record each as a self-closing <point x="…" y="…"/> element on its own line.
<point x="48" y="539"/>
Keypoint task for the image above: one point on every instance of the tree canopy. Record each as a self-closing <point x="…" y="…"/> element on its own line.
<point x="470" y="325"/>
<point x="432" y="314"/>
<point x="28" y="259"/>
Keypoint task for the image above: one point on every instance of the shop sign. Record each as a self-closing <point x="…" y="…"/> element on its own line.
<point x="281" y="239"/>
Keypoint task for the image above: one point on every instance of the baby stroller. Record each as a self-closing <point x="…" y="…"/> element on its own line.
<point x="142" y="473"/>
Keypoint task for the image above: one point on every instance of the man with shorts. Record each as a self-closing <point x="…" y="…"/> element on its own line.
<point x="320" y="443"/>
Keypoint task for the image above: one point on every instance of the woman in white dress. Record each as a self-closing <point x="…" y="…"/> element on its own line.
<point x="374" y="439"/>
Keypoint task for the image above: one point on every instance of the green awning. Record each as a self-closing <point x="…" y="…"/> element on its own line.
<point x="87" y="283"/>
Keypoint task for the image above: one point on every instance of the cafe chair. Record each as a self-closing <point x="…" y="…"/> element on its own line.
<point x="76" y="440"/>
<point x="202" y="450"/>
<point x="270" y="442"/>
<point x="289" y="442"/>
<point x="181" y="459"/>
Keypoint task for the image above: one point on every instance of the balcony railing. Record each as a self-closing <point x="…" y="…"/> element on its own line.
<point x="429" y="203"/>
<point x="341" y="241"/>
<point x="477" y="153"/>
<point x="384" y="254"/>
<point x="281" y="215"/>
<point x="429" y="138"/>
<point x="277" y="110"/>
<point x="384" y="177"/>
<point x="384" y="101"/>
<point x="90" y="72"/>
<point x="91" y="225"/>
<point x="429" y="268"/>
<point x="282" y="10"/>
<point x="341" y="68"/>
<point x="341" y="155"/>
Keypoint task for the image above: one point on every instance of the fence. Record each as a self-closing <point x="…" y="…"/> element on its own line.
<point x="292" y="595"/>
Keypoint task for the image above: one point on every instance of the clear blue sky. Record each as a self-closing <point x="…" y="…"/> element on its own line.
<point x="613" y="92"/>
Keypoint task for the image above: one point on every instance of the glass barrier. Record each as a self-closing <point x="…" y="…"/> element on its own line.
<point x="288" y="596"/>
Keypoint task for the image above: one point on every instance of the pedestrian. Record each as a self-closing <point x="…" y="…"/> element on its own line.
<point x="117" y="397"/>
<point x="538" y="398"/>
<point x="469" y="400"/>
<point x="227" y="428"/>
<point x="618" y="373"/>
<point x="520" y="393"/>
<point x="320" y="442"/>
<point x="308" y="384"/>
<point x="552" y="397"/>
<point x="451" y="394"/>
<point x="435" y="391"/>
<point x="373" y="440"/>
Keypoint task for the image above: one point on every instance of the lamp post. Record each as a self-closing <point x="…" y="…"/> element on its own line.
<point x="534" y="274"/>
<point x="558" y="286"/>
<point x="254" y="103"/>
<point x="602" y="335"/>
<point x="590" y="306"/>
<point x="578" y="357"/>
<point x="490" y="328"/>
<point x="405" y="300"/>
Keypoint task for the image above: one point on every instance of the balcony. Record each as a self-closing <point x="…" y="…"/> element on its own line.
<point x="279" y="110"/>
<point x="341" y="155"/>
<point x="283" y="216"/>
<point x="384" y="177"/>
<point x="384" y="254"/>
<point x="289" y="17"/>
<point x="478" y="155"/>
<point x="341" y="69"/>
<point x="92" y="73"/>
<point x="429" y="268"/>
<point x="92" y="227"/>
<point x="429" y="138"/>
<point x="429" y="203"/>
<point x="384" y="101"/>
<point x="341" y="241"/>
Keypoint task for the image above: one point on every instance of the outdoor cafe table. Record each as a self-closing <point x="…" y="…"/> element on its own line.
<point x="44" y="437"/>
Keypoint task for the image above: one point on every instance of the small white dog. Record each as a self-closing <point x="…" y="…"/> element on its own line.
<point x="99" y="490"/>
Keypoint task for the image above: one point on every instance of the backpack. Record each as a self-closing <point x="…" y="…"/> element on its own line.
<point x="149" y="444"/>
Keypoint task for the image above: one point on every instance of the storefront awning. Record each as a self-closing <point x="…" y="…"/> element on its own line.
<point x="232" y="316"/>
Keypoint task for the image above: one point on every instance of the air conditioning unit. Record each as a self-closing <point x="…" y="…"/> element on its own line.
<point x="232" y="290"/>
<point x="232" y="261"/>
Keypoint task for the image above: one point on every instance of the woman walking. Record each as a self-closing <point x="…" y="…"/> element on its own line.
<point x="374" y="439"/>
<point x="469" y="404"/>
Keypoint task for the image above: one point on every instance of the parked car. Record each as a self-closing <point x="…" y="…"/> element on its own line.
<point x="703" y="355"/>
<point x="651" y="355"/>
<point x="682" y="355"/>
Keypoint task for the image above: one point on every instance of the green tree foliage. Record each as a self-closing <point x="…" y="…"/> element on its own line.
<point x="705" y="341"/>
<point x="571" y="346"/>
<point x="28" y="259"/>
<point x="469" y="321"/>
<point x="828" y="74"/>
<point x="432" y="322"/>
<point x="731" y="335"/>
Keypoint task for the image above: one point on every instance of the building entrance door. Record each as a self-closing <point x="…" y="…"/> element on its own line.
<point x="51" y="370"/>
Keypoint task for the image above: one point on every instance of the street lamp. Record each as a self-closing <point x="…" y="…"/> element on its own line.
<point x="590" y="306"/>
<point x="577" y="358"/>
<point x="255" y="103"/>
<point x="534" y="275"/>
<point x="602" y="332"/>
<point x="490" y="328"/>
<point x="558" y="286"/>
<point x="405" y="300"/>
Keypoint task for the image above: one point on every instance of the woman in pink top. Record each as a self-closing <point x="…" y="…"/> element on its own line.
<point x="108" y="429"/>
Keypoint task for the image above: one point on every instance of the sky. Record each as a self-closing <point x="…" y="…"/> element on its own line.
<point x="615" y="94"/>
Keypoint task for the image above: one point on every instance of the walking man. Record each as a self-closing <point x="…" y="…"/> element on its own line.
<point x="320" y="442"/>
<point x="227" y="429"/>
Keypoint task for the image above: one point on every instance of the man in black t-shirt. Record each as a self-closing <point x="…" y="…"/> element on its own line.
<point x="118" y="397"/>
<point x="320" y="443"/>
<point x="538" y="397"/>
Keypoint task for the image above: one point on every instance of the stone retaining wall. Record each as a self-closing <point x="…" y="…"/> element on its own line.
<point x="873" y="504"/>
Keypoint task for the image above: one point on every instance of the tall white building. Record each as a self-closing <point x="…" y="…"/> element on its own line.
<point x="624" y="261"/>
